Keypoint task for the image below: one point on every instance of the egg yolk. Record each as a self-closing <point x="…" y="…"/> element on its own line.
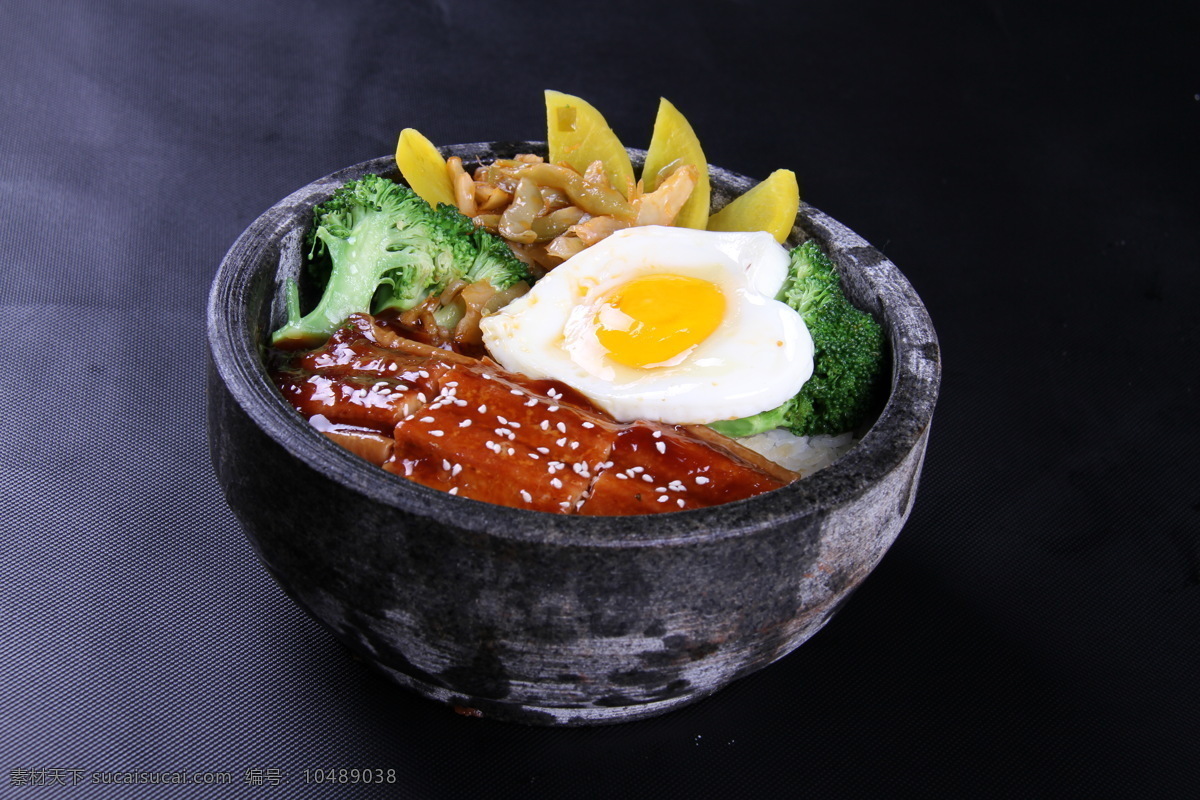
<point x="653" y="319"/>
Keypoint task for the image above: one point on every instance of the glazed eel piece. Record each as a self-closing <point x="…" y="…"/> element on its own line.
<point x="469" y="428"/>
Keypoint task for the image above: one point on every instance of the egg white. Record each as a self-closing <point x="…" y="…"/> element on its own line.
<point x="759" y="356"/>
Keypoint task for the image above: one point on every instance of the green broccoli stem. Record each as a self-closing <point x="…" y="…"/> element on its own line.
<point x="749" y="426"/>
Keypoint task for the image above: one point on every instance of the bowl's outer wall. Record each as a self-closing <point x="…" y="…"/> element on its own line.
<point x="549" y="629"/>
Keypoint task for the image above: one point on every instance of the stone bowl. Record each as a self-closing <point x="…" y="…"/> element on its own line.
<point x="540" y="618"/>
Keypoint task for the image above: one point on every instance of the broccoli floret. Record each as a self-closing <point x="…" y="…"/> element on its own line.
<point x="848" y="355"/>
<point x="383" y="247"/>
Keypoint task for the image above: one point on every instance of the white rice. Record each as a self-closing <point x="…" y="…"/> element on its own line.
<point x="803" y="454"/>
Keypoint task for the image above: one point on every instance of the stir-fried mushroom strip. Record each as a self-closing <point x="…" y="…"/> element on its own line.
<point x="451" y="319"/>
<point x="550" y="212"/>
<point x="455" y="423"/>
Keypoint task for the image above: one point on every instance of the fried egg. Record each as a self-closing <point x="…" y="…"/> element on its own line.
<point x="666" y="324"/>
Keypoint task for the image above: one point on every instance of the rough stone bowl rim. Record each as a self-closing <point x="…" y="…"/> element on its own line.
<point x="235" y="349"/>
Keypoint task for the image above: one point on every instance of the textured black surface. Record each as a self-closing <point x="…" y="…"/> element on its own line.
<point x="1031" y="166"/>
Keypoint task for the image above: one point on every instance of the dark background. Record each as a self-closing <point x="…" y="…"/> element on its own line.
<point x="1031" y="166"/>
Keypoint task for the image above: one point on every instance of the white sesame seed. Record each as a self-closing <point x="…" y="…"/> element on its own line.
<point x="449" y="383"/>
<point x="437" y="433"/>
<point x="622" y="476"/>
<point x="453" y="490"/>
<point x="422" y="398"/>
<point x="661" y="447"/>
<point x="677" y="486"/>
<point x="535" y="456"/>
<point x="483" y="409"/>
<point x="588" y="425"/>
<point x="657" y="434"/>
<point x="561" y="442"/>
<point x="647" y="479"/>
<point x="526" y="496"/>
<point x="556" y="483"/>
<point x="552" y="408"/>
<point x="457" y="468"/>
<point x="700" y="479"/>
<point x="545" y="425"/>
<point x="680" y="502"/>
<point x="544" y="450"/>
<point x="466" y="423"/>
<point x="660" y="488"/>
<point x="501" y="420"/>
<point x="445" y="464"/>
<point x="531" y="402"/>
<point x="423" y="373"/>
<point x="562" y="427"/>
<point x="663" y="499"/>
<point x="574" y="445"/>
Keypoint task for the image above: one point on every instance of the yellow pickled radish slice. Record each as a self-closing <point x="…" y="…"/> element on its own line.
<point x="423" y="168"/>
<point x="672" y="145"/>
<point x="578" y="135"/>
<point x="770" y="206"/>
